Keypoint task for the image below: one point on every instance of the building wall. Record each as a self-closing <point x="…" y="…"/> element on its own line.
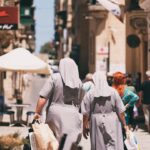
<point x="137" y="57"/>
<point x="81" y="37"/>
<point x="111" y="39"/>
<point x="93" y="29"/>
<point x="148" y="19"/>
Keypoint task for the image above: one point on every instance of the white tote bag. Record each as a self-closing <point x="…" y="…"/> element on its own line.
<point x="44" y="137"/>
<point x="131" y="142"/>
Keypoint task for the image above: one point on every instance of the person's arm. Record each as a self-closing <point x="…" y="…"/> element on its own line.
<point x="45" y="93"/>
<point x="40" y="104"/>
<point x="129" y="98"/>
<point x="85" y="126"/>
<point x="123" y="121"/>
<point x="85" y="110"/>
<point x="133" y="98"/>
<point x="120" y="110"/>
<point x="140" y="96"/>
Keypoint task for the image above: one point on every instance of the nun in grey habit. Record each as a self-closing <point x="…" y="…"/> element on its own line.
<point x="103" y="107"/>
<point x="62" y="94"/>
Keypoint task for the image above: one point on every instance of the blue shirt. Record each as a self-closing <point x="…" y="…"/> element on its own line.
<point x="129" y="97"/>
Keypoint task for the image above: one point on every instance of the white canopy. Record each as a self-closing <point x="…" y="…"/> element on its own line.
<point x="111" y="6"/>
<point x="22" y="60"/>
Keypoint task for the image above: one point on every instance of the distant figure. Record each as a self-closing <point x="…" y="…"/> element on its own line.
<point x="128" y="97"/>
<point x="27" y="78"/>
<point x="88" y="82"/>
<point x="110" y="78"/>
<point x="145" y="99"/>
<point x="62" y="92"/>
<point x="133" y="110"/>
<point x="130" y="85"/>
<point x="101" y="106"/>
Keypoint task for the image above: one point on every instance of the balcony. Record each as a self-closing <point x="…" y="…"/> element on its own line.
<point x="96" y="10"/>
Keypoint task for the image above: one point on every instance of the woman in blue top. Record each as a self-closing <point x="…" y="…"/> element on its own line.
<point x="129" y="98"/>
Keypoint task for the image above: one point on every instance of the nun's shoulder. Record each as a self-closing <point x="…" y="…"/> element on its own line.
<point x="114" y="91"/>
<point x="53" y="77"/>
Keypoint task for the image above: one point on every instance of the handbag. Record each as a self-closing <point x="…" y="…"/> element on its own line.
<point x="131" y="142"/>
<point x="44" y="137"/>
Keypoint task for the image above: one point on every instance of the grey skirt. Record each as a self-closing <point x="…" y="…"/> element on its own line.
<point x="65" y="119"/>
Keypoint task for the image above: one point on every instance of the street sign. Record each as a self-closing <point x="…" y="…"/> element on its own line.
<point x="8" y="18"/>
<point x="103" y="51"/>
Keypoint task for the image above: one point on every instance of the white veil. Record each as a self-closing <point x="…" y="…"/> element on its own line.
<point x="101" y="87"/>
<point x="69" y="72"/>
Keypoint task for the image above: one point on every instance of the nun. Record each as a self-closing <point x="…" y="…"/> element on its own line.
<point x="62" y="94"/>
<point x="103" y="109"/>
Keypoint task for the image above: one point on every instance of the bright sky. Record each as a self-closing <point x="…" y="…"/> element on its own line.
<point x="44" y="15"/>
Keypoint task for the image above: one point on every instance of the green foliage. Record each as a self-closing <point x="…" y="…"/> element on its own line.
<point x="48" y="48"/>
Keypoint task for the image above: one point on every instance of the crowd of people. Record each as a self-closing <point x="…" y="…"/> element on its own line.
<point x="100" y="105"/>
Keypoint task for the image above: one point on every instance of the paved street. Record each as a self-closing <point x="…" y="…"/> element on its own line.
<point x="31" y="93"/>
<point x="142" y="137"/>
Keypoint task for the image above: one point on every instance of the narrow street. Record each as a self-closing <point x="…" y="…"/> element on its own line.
<point x="142" y="136"/>
<point x="31" y="95"/>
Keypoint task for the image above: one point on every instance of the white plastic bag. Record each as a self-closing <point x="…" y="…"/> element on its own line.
<point x="131" y="142"/>
<point x="135" y="111"/>
<point x="33" y="142"/>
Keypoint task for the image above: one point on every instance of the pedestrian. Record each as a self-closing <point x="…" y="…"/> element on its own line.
<point x="133" y="110"/>
<point x="102" y="106"/>
<point x="145" y="99"/>
<point x="128" y="97"/>
<point x="62" y="93"/>
<point x="87" y="82"/>
<point x="110" y="78"/>
<point x="130" y="84"/>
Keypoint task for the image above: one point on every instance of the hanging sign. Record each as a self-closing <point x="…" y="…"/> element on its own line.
<point x="8" y="18"/>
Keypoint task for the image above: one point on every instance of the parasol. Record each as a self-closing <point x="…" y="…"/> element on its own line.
<point x="22" y="61"/>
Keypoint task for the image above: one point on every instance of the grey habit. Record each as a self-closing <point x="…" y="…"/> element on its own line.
<point x="62" y="91"/>
<point x="102" y="104"/>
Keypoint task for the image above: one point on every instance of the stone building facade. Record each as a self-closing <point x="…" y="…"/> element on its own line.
<point x="98" y="40"/>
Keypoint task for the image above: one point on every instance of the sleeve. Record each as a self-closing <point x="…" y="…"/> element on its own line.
<point x="130" y="98"/>
<point x="118" y="103"/>
<point x="46" y="91"/>
<point x="86" y="104"/>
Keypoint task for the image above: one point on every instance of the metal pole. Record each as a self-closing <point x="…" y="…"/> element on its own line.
<point x="108" y="59"/>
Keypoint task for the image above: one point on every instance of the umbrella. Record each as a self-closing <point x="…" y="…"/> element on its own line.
<point x="22" y="61"/>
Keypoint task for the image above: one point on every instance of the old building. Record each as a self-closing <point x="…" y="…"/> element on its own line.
<point x="136" y="39"/>
<point x="99" y="40"/>
<point x="145" y="5"/>
<point x="16" y="30"/>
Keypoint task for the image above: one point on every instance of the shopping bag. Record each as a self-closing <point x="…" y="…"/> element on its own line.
<point x="131" y="142"/>
<point x="33" y="142"/>
<point x="44" y="137"/>
<point x="135" y="112"/>
<point x="30" y="141"/>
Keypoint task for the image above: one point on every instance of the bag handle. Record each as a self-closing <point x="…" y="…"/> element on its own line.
<point x="35" y="121"/>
